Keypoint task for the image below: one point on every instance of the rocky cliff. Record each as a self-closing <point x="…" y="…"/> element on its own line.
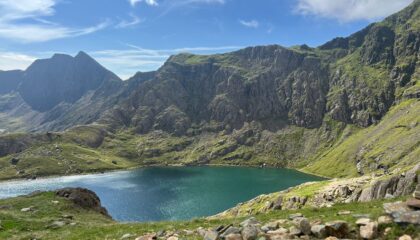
<point x="345" y="108"/>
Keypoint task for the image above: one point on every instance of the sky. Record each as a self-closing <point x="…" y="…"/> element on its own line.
<point x="127" y="36"/>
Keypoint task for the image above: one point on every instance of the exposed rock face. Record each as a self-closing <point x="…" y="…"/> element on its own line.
<point x="394" y="186"/>
<point x="83" y="198"/>
<point x="10" y="81"/>
<point x="62" y="78"/>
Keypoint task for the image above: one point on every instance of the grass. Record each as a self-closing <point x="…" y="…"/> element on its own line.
<point x="91" y="225"/>
<point x="395" y="141"/>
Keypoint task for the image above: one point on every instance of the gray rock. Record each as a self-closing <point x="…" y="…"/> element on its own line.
<point x="405" y="237"/>
<point x="339" y="229"/>
<point x="363" y="221"/>
<point x="369" y="231"/>
<point x="249" y="221"/>
<point x="57" y="224"/>
<point x="401" y="213"/>
<point x="303" y="225"/>
<point x="249" y="232"/>
<point x="384" y="220"/>
<point x="344" y="212"/>
<point x="416" y="193"/>
<point x="233" y="236"/>
<point x="270" y="226"/>
<point x="280" y="231"/>
<point x="278" y="204"/>
<point x="14" y="161"/>
<point x="295" y="215"/>
<point x="319" y="231"/>
<point x="211" y="235"/>
<point x="294" y="231"/>
<point x="230" y="230"/>
<point x="413" y="203"/>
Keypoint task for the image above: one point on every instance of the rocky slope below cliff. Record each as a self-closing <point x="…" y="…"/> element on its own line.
<point x="346" y="108"/>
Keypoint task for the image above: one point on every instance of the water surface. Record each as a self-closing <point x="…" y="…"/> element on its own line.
<point x="169" y="193"/>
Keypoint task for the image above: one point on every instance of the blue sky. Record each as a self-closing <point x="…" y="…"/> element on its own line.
<point x="128" y="36"/>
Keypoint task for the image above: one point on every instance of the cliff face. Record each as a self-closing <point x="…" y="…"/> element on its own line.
<point x="354" y="80"/>
<point x="352" y="101"/>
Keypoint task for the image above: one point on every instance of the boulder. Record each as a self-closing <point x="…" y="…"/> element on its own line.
<point x="230" y="230"/>
<point x="401" y="213"/>
<point x="413" y="203"/>
<point x="363" y="221"/>
<point x="338" y="229"/>
<point x="278" y="203"/>
<point x="172" y="238"/>
<point x="14" y="161"/>
<point x="211" y="235"/>
<point x="295" y="231"/>
<point x="147" y="237"/>
<point x="233" y="236"/>
<point x="249" y="232"/>
<point x="84" y="198"/>
<point x="319" y="231"/>
<point x="369" y="231"/>
<point x="270" y="226"/>
<point x="384" y="220"/>
<point x="249" y="221"/>
<point x="416" y="193"/>
<point x="280" y="231"/>
<point x="28" y="209"/>
<point x="303" y="225"/>
<point x="405" y="237"/>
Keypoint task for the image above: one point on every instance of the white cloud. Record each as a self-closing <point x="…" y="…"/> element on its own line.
<point x="13" y="61"/>
<point x="126" y="62"/>
<point x="148" y="2"/>
<point x="22" y="21"/>
<point x="351" y="10"/>
<point x="123" y="62"/>
<point x="134" y="21"/>
<point x="250" y="24"/>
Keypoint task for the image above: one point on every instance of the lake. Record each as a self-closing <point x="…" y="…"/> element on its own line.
<point x="169" y="193"/>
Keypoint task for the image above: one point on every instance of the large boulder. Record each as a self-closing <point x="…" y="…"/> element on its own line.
<point x="84" y="198"/>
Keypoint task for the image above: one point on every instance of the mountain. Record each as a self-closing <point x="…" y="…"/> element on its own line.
<point x="49" y="82"/>
<point x="44" y="95"/>
<point x="347" y="107"/>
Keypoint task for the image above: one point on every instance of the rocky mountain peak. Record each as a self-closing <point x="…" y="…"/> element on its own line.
<point x="61" y="78"/>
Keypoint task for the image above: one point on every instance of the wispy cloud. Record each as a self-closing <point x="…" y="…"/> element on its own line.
<point x="23" y="21"/>
<point x="148" y="2"/>
<point x="250" y="24"/>
<point x="12" y="60"/>
<point x="129" y="23"/>
<point x="126" y="62"/>
<point x="351" y="10"/>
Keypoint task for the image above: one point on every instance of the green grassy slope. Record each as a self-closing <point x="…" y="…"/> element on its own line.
<point x="395" y="141"/>
<point x="86" y="224"/>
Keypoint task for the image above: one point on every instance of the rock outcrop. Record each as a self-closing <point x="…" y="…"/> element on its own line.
<point x="83" y="198"/>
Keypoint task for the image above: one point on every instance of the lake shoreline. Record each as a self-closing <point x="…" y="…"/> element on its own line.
<point x="104" y="171"/>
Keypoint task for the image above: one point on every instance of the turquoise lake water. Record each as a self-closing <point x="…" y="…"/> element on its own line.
<point x="169" y="193"/>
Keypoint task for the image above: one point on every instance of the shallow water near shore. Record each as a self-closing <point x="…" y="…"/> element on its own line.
<point x="169" y="193"/>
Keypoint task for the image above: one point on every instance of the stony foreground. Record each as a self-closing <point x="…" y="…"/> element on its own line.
<point x="78" y="214"/>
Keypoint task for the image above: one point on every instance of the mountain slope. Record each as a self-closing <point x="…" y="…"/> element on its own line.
<point x="317" y="109"/>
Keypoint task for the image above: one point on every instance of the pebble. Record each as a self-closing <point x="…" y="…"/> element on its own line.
<point x="405" y="237"/>
<point x="344" y="212"/>
<point x="28" y="209"/>
<point x="295" y="215"/>
<point x="126" y="236"/>
<point x="362" y="221"/>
